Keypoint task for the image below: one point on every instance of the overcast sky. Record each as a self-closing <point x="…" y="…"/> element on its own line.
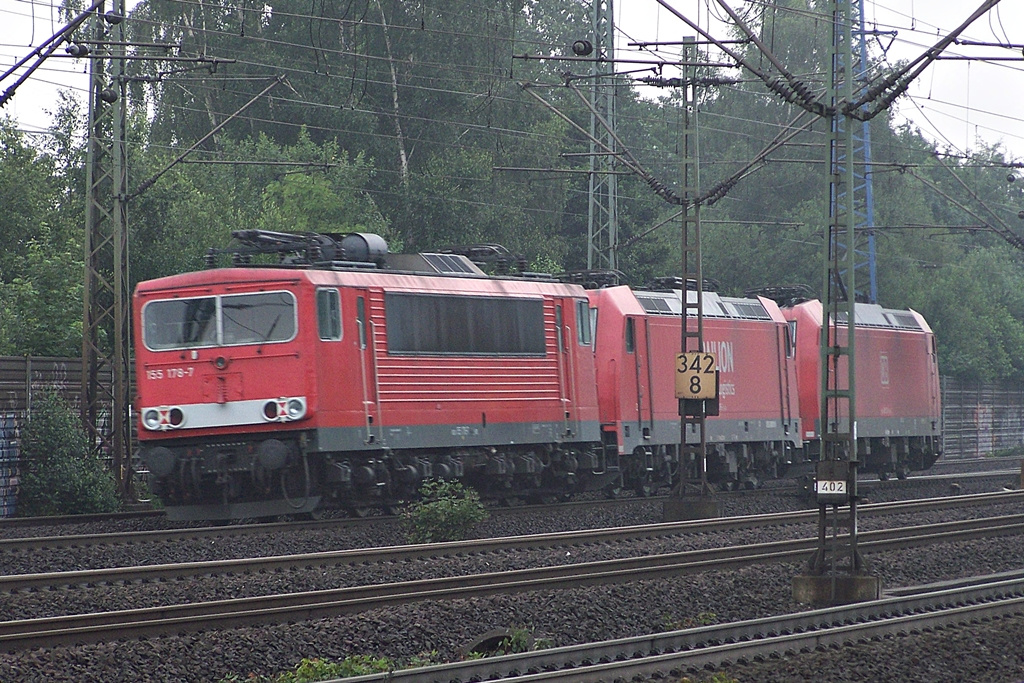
<point x="954" y="103"/>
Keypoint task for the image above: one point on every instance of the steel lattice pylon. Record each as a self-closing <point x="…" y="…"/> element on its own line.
<point x="837" y="415"/>
<point x="106" y="323"/>
<point x="603" y="212"/>
<point x="863" y="204"/>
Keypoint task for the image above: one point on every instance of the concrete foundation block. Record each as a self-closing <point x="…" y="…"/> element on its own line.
<point x="691" y="508"/>
<point x="827" y="591"/>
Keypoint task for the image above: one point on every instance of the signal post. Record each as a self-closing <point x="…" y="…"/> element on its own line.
<point x="696" y="370"/>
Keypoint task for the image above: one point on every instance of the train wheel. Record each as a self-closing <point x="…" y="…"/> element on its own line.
<point x="612" y="491"/>
<point x="360" y="512"/>
<point x="902" y="472"/>
<point x="644" y="488"/>
<point x="883" y="475"/>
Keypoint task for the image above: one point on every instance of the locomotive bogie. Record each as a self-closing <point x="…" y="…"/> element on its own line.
<point x="247" y="476"/>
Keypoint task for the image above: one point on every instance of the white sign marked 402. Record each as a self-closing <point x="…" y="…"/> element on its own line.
<point x="835" y="487"/>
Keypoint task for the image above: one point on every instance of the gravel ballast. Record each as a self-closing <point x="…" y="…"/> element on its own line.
<point x="985" y="652"/>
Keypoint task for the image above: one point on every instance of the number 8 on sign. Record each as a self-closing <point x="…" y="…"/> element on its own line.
<point x="696" y="375"/>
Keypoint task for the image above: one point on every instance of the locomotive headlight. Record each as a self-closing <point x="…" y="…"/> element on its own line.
<point x="295" y="408"/>
<point x="284" y="409"/>
<point x="175" y="416"/>
<point x="151" y="418"/>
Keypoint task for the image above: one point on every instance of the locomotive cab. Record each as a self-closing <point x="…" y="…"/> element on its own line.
<point x="898" y="410"/>
<point x="222" y="396"/>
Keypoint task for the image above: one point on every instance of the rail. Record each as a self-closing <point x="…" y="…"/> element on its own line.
<point x="102" y="626"/>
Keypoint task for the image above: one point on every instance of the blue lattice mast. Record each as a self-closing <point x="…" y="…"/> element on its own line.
<point x="603" y="213"/>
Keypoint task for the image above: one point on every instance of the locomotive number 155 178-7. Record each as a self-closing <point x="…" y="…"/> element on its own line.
<point x="170" y="373"/>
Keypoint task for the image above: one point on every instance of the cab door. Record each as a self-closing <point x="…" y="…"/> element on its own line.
<point x="346" y="367"/>
<point x="637" y="418"/>
<point x="363" y="344"/>
<point x="566" y="373"/>
<point x="934" y="385"/>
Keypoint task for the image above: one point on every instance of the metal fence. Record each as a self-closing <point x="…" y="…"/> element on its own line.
<point x="8" y="464"/>
<point x="21" y="377"/>
<point x="981" y="418"/>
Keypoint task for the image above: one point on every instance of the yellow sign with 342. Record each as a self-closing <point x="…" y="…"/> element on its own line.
<point x="697" y="375"/>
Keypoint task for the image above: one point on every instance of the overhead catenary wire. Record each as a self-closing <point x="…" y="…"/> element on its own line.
<point x="145" y="185"/>
<point x="41" y="54"/>
<point x="409" y="85"/>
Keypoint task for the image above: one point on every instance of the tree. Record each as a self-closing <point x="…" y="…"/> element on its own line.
<point x="28" y="195"/>
<point x="421" y="90"/>
<point x="41" y="262"/>
<point x="60" y="473"/>
<point x="403" y="118"/>
<point x="296" y="188"/>
<point x="41" y="310"/>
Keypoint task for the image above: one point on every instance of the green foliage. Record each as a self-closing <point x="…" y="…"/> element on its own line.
<point x="446" y="511"/>
<point x="308" y="203"/>
<point x="60" y="475"/>
<point x="522" y="639"/>
<point x="41" y="260"/>
<point x="311" y="670"/>
<point x="41" y="310"/>
<point x="27" y="195"/>
<point x="304" y="187"/>
<point x="428" y="658"/>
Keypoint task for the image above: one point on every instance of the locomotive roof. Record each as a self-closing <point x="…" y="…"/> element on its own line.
<point x="217" y="279"/>
<point x="669" y="303"/>
<point x="873" y="315"/>
<point x="714" y="305"/>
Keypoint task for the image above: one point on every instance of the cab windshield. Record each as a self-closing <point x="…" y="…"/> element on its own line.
<point x="230" y="320"/>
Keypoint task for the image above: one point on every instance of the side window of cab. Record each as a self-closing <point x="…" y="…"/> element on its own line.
<point x="328" y="314"/>
<point x="584" y="330"/>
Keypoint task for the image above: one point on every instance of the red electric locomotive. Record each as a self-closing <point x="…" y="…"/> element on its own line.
<point x="638" y="336"/>
<point x="281" y="390"/>
<point x="899" y="411"/>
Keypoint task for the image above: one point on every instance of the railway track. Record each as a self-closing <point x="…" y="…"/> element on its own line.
<point x="671" y="655"/>
<point x="394" y="554"/>
<point x="98" y="627"/>
<point x="963" y="467"/>
<point x="85" y="540"/>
